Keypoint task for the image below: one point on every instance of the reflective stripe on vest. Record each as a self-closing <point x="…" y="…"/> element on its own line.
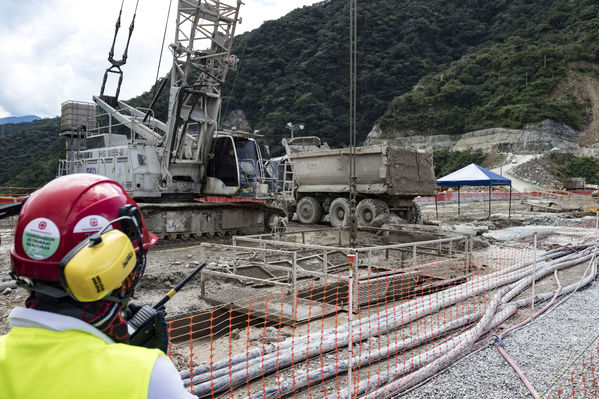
<point x="39" y="363"/>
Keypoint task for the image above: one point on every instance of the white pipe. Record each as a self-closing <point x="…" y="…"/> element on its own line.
<point x="424" y="306"/>
<point x="304" y="379"/>
<point x="425" y="372"/>
<point x="499" y="343"/>
<point x="243" y="357"/>
<point x="439" y="354"/>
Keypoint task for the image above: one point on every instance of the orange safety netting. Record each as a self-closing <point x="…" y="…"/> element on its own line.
<point x="581" y="381"/>
<point x="11" y="195"/>
<point x="296" y="341"/>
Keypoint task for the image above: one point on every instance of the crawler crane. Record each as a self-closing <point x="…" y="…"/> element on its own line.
<point x="189" y="178"/>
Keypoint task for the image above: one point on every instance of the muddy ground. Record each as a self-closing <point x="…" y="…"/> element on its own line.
<point x="169" y="263"/>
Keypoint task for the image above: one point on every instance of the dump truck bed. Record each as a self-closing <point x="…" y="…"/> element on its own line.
<point x="381" y="170"/>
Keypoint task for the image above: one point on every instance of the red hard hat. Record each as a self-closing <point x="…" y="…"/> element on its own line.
<point x="55" y="218"/>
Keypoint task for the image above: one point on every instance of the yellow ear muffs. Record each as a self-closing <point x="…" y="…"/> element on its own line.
<point x="97" y="266"/>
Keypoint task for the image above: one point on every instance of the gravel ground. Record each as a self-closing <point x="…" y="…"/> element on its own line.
<point x="543" y="350"/>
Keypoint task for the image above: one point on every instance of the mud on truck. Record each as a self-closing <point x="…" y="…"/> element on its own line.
<point x="313" y="181"/>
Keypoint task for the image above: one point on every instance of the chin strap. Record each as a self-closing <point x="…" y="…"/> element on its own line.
<point x="105" y="315"/>
<point x="51" y="291"/>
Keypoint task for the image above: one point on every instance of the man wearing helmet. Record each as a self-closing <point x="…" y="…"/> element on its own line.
<point x="80" y="250"/>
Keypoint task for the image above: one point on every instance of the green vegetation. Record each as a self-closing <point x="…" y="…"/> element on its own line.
<point x="511" y="78"/>
<point x="296" y="69"/>
<point x="446" y="161"/>
<point x="30" y="152"/>
<point x="440" y="66"/>
<point x="424" y="67"/>
<point x="567" y="165"/>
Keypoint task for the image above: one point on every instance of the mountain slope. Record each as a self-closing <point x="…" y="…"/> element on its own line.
<point x="30" y="153"/>
<point x="296" y="69"/>
<point x="510" y="80"/>
<point x="440" y="66"/>
<point x="19" y="119"/>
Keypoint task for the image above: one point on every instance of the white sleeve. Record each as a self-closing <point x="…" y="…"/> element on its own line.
<point x="165" y="381"/>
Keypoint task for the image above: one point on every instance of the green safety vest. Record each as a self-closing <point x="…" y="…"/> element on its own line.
<point x="38" y="363"/>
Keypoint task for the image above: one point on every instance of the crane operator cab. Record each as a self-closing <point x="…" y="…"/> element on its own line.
<point x="235" y="167"/>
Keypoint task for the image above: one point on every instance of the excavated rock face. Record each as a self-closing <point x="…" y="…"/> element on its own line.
<point x="537" y="171"/>
<point x="533" y="139"/>
<point x="236" y="120"/>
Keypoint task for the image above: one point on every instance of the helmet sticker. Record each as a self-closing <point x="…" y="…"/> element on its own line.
<point x="40" y="238"/>
<point x="90" y="224"/>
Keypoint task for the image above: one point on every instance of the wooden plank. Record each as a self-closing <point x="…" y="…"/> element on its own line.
<point x="288" y="312"/>
<point x="438" y="285"/>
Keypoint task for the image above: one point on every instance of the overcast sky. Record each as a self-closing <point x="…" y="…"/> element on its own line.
<point x="56" y="50"/>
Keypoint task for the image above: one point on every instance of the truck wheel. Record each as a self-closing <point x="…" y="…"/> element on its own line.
<point x="308" y="210"/>
<point x="368" y="209"/>
<point x="339" y="212"/>
<point x="413" y="214"/>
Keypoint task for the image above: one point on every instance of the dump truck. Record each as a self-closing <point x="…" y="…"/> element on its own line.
<point x="316" y="181"/>
<point x="574" y="183"/>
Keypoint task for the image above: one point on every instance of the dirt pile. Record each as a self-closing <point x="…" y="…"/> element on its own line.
<point x="537" y="171"/>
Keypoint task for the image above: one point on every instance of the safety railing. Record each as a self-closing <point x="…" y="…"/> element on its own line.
<point x="551" y="200"/>
<point x="469" y="196"/>
<point x="11" y="195"/>
<point x="592" y="204"/>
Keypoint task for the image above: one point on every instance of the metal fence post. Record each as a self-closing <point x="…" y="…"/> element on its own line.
<point x="534" y="272"/>
<point x="469" y="248"/>
<point x="350" y="311"/>
<point x="236" y="261"/>
<point x="294" y="272"/>
<point x="414" y="256"/>
<point x="294" y="283"/>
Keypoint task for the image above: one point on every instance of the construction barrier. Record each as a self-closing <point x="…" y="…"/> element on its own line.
<point x="368" y="331"/>
<point x="470" y="196"/>
<point x="475" y="202"/>
<point x="12" y="195"/>
<point x="593" y="204"/>
<point x="582" y="379"/>
<point x="8" y="200"/>
<point x="476" y="196"/>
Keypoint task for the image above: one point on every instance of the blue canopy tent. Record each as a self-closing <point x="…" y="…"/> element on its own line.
<point x="474" y="175"/>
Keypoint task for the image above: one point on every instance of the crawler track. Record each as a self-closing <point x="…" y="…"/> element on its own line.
<point x="182" y="221"/>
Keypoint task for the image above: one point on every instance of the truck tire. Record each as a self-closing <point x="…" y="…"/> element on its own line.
<point x="368" y="209"/>
<point x="339" y="212"/>
<point x="413" y="214"/>
<point x="308" y="210"/>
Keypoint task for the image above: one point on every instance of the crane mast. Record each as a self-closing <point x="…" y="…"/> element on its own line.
<point x="201" y="58"/>
<point x="162" y="158"/>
